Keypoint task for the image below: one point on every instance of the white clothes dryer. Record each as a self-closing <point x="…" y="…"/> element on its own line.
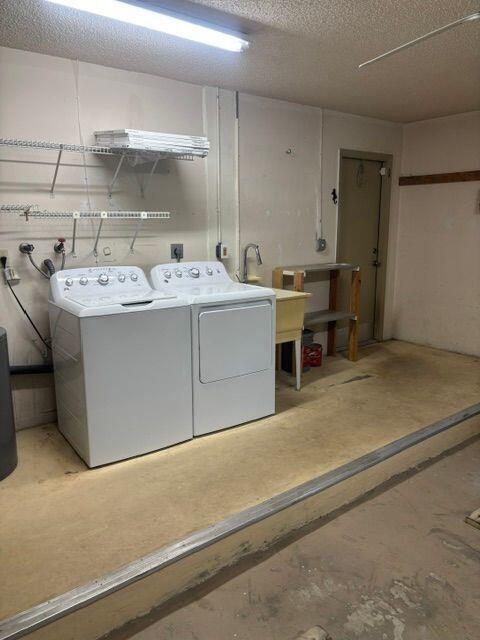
<point x="233" y="343"/>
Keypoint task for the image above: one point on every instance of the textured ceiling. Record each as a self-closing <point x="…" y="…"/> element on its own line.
<point x="304" y="51"/>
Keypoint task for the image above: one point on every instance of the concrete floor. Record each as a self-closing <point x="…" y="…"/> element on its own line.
<point x="83" y="523"/>
<point x="402" y="565"/>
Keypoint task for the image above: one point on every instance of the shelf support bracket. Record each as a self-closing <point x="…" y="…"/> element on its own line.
<point x="137" y="229"/>
<point x="103" y="215"/>
<point x="115" y="175"/>
<point x="148" y="178"/>
<point x="59" y="157"/>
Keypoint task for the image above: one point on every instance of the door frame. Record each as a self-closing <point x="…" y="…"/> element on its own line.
<point x="383" y="229"/>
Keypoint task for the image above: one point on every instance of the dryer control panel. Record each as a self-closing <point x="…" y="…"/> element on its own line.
<point x="189" y="273"/>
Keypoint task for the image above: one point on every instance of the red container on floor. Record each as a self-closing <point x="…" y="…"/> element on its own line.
<point x="312" y="355"/>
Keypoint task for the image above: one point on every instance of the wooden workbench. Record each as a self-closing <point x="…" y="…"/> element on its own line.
<point x="333" y="314"/>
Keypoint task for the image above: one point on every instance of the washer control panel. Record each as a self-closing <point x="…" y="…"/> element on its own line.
<point x="99" y="285"/>
<point x="187" y="273"/>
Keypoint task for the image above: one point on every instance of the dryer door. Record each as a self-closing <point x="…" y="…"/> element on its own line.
<point x="235" y="340"/>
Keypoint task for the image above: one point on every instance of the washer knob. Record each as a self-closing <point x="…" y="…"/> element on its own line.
<point x="103" y="278"/>
<point x="178" y="273"/>
<point x="121" y="277"/>
<point x="209" y="271"/>
<point x="68" y="282"/>
<point x="167" y="274"/>
<point x="133" y="277"/>
<point x="194" y="272"/>
<point x="83" y="280"/>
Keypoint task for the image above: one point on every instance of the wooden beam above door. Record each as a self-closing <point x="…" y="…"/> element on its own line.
<point x="439" y="178"/>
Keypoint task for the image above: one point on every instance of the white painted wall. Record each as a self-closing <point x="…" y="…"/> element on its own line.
<point x="279" y="181"/>
<point x="280" y="194"/>
<point x="437" y="292"/>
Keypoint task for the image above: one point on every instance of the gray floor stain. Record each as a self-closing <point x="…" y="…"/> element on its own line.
<point x="401" y="566"/>
<point x="356" y="379"/>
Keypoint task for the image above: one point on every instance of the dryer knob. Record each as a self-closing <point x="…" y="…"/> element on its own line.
<point x="178" y="273"/>
<point x="83" y="280"/>
<point x="194" y="272"/>
<point x="68" y="282"/>
<point x="103" y="278"/>
<point x="167" y="274"/>
<point x="121" y="277"/>
<point x="209" y="271"/>
<point x="133" y="277"/>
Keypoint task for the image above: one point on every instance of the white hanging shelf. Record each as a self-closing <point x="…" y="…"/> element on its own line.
<point x="121" y="153"/>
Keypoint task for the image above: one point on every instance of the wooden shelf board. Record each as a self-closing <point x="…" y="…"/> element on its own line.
<point x="439" y="178"/>
<point x="326" y="266"/>
<point x="317" y="317"/>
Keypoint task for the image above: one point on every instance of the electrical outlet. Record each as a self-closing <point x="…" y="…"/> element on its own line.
<point x="321" y="244"/>
<point x="9" y="273"/>
<point x="176" y="251"/>
<point x="221" y="251"/>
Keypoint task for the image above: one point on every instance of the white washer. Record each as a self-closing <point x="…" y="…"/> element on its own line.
<point x="122" y="363"/>
<point x="233" y="343"/>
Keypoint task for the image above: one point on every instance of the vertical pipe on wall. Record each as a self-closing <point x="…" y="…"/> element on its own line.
<point x="319" y="188"/>
<point x="237" y="183"/>
<point x="221" y="127"/>
<point x="210" y="117"/>
<point x="219" y="169"/>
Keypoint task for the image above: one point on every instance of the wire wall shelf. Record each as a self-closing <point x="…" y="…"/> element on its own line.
<point x="31" y="212"/>
<point x="120" y="153"/>
<point x="54" y="146"/>
<point x="16" y="207"/>
<point x="96" y="215"/>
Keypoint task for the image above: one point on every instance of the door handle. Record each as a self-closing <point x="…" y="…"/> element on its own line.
<point x="376" y="263"/>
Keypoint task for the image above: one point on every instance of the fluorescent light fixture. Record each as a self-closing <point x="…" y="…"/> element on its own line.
<point x="157" y="21"/>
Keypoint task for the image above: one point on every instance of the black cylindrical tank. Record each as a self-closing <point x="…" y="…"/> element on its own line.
<point x="8" y="441"/>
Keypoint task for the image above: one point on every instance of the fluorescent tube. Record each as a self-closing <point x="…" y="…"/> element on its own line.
<point x="157" y="21"/>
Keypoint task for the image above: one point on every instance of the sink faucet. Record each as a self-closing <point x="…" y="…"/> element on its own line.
<point x="245" y="254"/>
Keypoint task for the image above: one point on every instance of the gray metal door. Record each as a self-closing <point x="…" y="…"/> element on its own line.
<point x="358" y="234"/>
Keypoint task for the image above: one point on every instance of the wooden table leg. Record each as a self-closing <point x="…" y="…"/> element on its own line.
<point x="278" y="357"/>
<point x="277" y="278"/>
<point x="299" y="281"/>
<point x="353" y="323"/>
